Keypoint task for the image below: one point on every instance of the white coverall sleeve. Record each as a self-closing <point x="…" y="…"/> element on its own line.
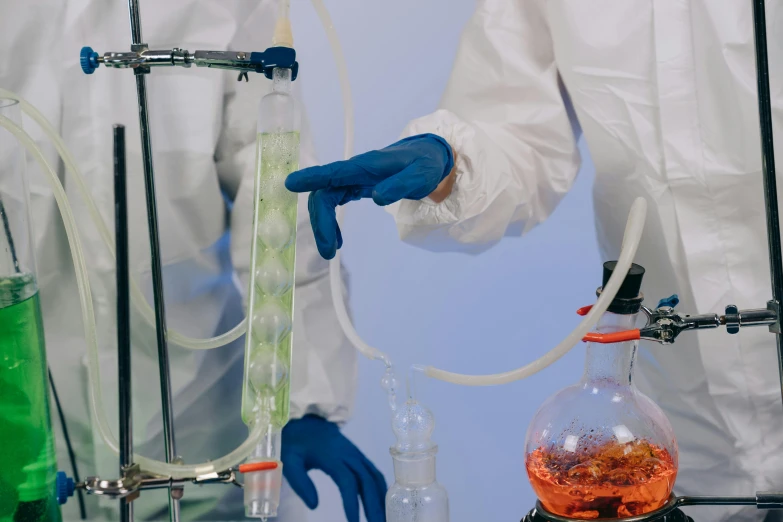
<point x="324" y="367"/>
<point x="505" y="117"/>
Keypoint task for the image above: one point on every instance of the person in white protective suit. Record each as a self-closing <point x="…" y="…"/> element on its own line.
<point x="203" y="126"/>
<point x="665" y="94"/>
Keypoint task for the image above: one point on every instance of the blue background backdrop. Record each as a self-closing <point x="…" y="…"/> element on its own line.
<point x="476" y="314"/>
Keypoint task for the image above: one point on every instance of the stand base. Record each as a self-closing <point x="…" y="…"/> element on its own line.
<point x="674" y="516"/>
<point x="668" y="513"/>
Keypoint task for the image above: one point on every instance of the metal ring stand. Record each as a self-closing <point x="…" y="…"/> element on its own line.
<point x="670" y="512"/>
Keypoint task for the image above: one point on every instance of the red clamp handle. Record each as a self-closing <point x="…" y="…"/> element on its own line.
<point x="608" y="338"/>
<point x="584" y="310"/>
<point x="614" y="337"/>
<point x="257" y="466"/>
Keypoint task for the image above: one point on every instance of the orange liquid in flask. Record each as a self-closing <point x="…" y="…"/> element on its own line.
<point x="606" y="481"/>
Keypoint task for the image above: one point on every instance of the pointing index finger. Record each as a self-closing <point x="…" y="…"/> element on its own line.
<point x="364" y="170"/>
<point x="310" y="179"/>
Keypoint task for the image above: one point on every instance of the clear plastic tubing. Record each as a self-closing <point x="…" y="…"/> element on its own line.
<point x="137" y="296"/>
<point x="282" y="34"/>
<point x="85" y="301"/>
<point x="631" y="239"/>
<point x="249" y="446"/>
<point x="633" y="233"/>
<point x="268" y="343"/>
<point x="335" y="278"/>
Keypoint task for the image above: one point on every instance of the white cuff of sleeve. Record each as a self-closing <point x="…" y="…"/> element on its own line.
<point x="417" y="220"/>
<point x="458" y="135"/>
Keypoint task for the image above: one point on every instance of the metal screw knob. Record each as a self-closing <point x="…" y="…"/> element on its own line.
<point x="88" y="59"/>
<point x="64" y="486"/>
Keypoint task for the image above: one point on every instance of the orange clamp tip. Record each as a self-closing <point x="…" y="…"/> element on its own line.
<point x="584" y="310"/>
<point x="615" y="337"/>
<point x="257" y="466"/>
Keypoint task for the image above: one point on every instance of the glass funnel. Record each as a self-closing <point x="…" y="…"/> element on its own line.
<point x="602" y="449"/>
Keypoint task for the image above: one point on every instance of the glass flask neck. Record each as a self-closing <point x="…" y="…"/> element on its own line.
<point x="414" y="469"/>
<point x="281" y="80"/>
<point x="612" y="362"/>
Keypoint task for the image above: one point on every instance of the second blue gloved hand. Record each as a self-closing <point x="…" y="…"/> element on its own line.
<point x="312" y="442"/>
<point x="409" y="169"/>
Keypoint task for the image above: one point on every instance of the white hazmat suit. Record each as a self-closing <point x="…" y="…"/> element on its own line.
<point x="665" y="93"/>
<point x="203" y="126"/>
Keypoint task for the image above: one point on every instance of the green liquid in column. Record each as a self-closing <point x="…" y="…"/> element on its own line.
<point x="27" y="458"/>
<point x="271" y="305"/>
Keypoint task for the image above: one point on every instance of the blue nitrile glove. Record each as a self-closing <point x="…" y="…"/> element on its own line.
<point x="409" y="169"/>
<point x="313" y="442"/>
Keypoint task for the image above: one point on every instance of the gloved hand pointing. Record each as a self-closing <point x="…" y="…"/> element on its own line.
<point x="312" y="442"/>
<point x="409" y="169"/>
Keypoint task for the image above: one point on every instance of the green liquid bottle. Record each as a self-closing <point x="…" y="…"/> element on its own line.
<point x="27" y="459"/>
<point x="28" y="465"/>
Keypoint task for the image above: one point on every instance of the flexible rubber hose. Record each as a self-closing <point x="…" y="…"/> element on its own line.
<point x="335" y="279"/>
<point x="137" y="296"/>
<point x="139" y="301"/>
<point x="88" y="314"/>
<point x="631" y="238"/>
<point x="85" y="295"/>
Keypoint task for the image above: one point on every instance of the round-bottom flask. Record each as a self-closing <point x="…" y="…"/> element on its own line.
<point x="601" y="448"/>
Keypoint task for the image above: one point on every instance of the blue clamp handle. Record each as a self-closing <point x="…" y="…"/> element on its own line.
<point x="88" y="59"/>
<point x="671" y="301"/>
<point x="275" y="58"/>
<point x="65" y="487"/>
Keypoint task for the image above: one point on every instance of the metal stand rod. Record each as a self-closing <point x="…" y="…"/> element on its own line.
<point x="123" y="312"/>
<point x="768" y="169"/>
<point x="716" y="501"/>
<point x="157" y="272"/>
<point x="135" y="21"/>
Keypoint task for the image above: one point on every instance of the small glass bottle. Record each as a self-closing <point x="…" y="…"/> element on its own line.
<point x="601" y="448"/>
<point x="415" y="496"/>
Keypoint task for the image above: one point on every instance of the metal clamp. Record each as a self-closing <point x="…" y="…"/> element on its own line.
<point x="769" y="500"/>
<point x="224" y="477"/>
<point x="133" y="482"/>
<point x="774" y="307"/>
<point x="665" y="324"/>
<point x="127" y="486"/>
<point x="141" y="59"/>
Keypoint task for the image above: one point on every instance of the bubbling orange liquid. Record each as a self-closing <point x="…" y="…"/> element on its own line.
<point x="611" y="480"/>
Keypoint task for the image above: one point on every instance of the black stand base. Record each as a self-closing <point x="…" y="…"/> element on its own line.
<point x="673" y="516"/>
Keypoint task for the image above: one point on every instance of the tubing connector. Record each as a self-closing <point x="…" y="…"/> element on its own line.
<point x="284" y="36"/>
<point x="279" y="57"/>
<point x="262" y="489"/>
<point x="263" y="477"/>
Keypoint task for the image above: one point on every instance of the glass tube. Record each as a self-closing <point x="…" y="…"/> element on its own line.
<point x="27" y="460"/>
<point x="271" y="294"/>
